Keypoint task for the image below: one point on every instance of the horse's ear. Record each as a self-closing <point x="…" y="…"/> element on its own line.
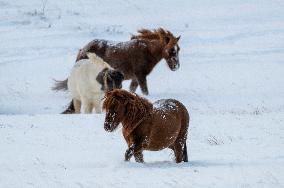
<point x="178" y="38"/>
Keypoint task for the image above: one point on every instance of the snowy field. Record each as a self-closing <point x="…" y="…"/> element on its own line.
<point x="231" y="80"/>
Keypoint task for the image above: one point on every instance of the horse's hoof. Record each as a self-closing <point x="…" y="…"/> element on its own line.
<point x="145" y="93"/>
<point x="140" y="161"/>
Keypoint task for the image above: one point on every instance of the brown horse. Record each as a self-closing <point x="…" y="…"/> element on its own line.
<point x="147" y="126"/>
<point x="135" y="58"/>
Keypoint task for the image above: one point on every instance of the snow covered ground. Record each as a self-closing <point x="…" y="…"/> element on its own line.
<point x="231" y="80"/>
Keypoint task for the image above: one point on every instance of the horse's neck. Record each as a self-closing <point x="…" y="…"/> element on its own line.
<point x="148" y="107"/>
<point x="156" y="49"/>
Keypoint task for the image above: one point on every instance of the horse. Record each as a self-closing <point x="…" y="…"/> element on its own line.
<point x="135" y="58"/>
<point x="146" y="125"/>
<point x="88" y="81"/>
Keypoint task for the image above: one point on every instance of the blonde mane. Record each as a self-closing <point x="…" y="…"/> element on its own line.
<point x="97" y="60"/>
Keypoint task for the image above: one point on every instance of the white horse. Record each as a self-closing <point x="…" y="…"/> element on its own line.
<point x="88" y="81"/>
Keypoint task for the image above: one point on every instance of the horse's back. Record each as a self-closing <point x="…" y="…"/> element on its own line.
<point x="169" y="105"/>
<point x="129" y="57"/>
<point x="172" y="110"/>
<point x="114" y="52"/>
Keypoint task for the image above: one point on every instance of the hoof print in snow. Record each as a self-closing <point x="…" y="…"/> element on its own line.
<point x="212" y="140"/>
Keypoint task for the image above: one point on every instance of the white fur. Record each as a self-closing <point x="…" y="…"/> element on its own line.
<point x="84" y="87"/>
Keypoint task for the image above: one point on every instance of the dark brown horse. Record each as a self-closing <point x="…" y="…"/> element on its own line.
<point x="147" y="126"/>
<point x="135" y="58"/>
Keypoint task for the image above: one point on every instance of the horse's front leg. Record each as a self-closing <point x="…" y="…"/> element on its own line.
<point x="136" y="150"/>
<point x="129" y="152"/>
<point x="143" y="84"/>
<point x="133" y="85"/>
<point x="97" y="106"/>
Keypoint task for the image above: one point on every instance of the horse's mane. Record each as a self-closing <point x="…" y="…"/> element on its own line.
<point x="137" y="108"/>
<point x="161" y="34"/>
<point x="97" y="60"/>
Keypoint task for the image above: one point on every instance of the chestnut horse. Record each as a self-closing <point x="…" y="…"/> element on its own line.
<point x="135" y="58"/>
<point x="147" y="126"/>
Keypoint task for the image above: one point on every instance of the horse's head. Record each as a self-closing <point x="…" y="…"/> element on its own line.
<point x="168" y="42"/>
<point x="124" y="107"/>
<point x="171" y="51"/>
<point x="110" y="79"/>
<point x="115" y="111"/>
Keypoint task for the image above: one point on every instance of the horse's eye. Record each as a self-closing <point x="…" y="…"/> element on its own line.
<point x="172" y="51"/>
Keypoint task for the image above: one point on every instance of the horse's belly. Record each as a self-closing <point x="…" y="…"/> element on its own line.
<point x="159" y="145"/>
<point x="161" y="140"/>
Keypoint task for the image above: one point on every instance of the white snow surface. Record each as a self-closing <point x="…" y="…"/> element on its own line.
<point x="231" y="80"/>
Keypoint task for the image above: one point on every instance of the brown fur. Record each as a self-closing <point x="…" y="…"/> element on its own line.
<point x="147" y="126"/>
<point x="137" y="58"/>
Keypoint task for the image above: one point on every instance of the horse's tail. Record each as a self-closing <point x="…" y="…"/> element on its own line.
<point x="60" y="85"/>
<point x="185" y="123"/>
<point x="70" y="109"/>
<point x="185" y="157"/>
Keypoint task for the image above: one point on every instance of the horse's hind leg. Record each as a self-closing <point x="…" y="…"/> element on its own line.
<point x="178" y="150"/>
<point x="180" y="143"/>
<point x="185" y="157"/>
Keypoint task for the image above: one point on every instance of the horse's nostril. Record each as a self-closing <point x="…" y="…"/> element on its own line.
<point x="175" y="67"/>
<point x="106" y="126"/>
<point x="107" y="129"/>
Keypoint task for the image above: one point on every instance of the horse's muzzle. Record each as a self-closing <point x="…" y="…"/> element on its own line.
<point x="109" y="127"/>
<point x="173" y="63"/>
